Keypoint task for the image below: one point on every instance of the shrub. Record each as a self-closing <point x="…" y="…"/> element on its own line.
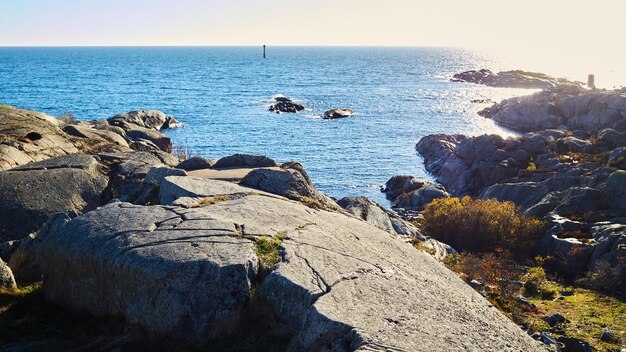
<point x="68" y="118"/>
<point x="534" y="279"/>
<point x="480" y="225"/>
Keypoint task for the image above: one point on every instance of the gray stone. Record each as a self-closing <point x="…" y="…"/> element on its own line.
<point x="617" y="158"/>
<point x="244" y="160"/>
<point x="196" y="163"/>
<point x="29" y="197"/>
<point x="511" y="79"/>
<point x="292" y="183"/>
<point x="139" y="134"/>
<point x="574" y="144"/>
<point x="616" y="190"/>
<point x="175" y="187"/>
<point x="152" y="119"/>
<point x="128" y="261"/>
<point x="28" y="136"/>
<point x="156" y="174"/>
<point x="523" y="194"/>
<point x="7" y="281"/>
<point x="374" y="214"/>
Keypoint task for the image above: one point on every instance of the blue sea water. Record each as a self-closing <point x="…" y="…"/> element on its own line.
<point x="221" y="95"/>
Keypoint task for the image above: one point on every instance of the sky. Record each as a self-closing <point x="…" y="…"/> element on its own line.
<point x="564" y="32"/>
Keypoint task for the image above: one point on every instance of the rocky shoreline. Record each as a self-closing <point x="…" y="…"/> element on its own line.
<point x="568" y="170"/>
<point x="118" y="227"/>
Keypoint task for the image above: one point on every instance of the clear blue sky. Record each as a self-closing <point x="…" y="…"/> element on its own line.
<point x="474" y="23"/>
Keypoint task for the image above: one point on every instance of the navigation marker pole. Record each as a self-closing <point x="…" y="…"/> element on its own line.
<point x="264" y="51"/>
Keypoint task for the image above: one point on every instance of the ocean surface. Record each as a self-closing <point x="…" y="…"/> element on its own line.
<point x="221" y="94"/>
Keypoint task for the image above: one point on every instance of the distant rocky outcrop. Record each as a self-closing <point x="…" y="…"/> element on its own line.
<point x="284" y="104"/>
<point x="569" y="108"/>
<point x="512" y="79"/>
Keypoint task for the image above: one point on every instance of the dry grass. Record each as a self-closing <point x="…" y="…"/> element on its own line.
<point x="312" y="203"/>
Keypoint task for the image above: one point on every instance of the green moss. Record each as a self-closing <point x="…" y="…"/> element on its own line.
<point x="588" y="314"/>
<point x="267" y="249"/>
<point x="7" y="107"/>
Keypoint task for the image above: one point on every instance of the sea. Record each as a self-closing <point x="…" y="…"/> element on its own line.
<point x="221" y="95"/>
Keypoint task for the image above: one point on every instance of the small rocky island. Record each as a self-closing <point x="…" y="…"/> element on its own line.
<point x="191" y="254"/>
<point x="513" y="79"/>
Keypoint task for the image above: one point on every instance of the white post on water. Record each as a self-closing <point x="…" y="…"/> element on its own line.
<point x="591" y="78"/>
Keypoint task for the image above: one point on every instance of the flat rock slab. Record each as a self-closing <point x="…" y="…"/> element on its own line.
<point x="341" y="284"/>
<point x="225" y="174"/>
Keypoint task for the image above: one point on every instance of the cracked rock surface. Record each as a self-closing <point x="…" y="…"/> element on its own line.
<point x="341" y="284"/>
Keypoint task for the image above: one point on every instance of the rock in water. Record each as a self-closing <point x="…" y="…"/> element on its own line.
<point x="284" y="104"/>
<point x="338" y="113"/>
<point x="340" y="283"/>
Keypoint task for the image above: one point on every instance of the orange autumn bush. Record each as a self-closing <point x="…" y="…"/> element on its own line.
<point x="478" y="225"/>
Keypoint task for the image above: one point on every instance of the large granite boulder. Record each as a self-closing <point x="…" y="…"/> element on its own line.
<point x="32" y="193"/>
<point x="340" y="283"/>
<point x="290" y="181"/>
<point x="617" y="158"/>
<point x="511" y="79"/>
<point x="29" y="136"/>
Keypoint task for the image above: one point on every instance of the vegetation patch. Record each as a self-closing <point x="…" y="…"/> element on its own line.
<point x="6" y="107"/>
<point x="267" y="249"/>
<point x="588" y="314"/>
<point x="480" y="226"/>
<point x="312" y="203"/>
<point x="203" y="202"/>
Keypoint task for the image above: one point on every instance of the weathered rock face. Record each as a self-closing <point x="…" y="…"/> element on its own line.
<point x="572" y="108"/>
<point x="31" y="194"/>
<point x="284" y="104"/>
<point x="29" y="136"/>
<point x="511" y="79"/>
<point x="341" y="283"/>
<point x="338" y="113"/>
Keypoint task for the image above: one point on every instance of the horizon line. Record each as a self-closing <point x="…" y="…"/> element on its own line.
<point x="236" y="45"/>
